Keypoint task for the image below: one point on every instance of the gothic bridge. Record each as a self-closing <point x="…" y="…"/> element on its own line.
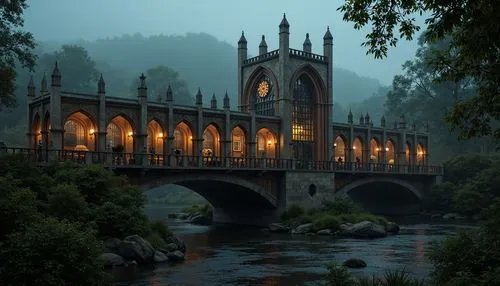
<point x="280" y="147"/>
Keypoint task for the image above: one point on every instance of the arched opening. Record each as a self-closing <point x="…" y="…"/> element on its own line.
<point x="408" y="154"/>
<point x="79" y="133"/>
<point x="339" y="149"/>
<point x="156" y="135"/>
<point x="183" y="139"/>
<point x="390" y="152"/>
<point x="238" y="142"/>
<point x="357" y="148"/>
<point x="303" y="113"/>
<point x="263" y="96"/>
<point x="374" y="151"/>
<point x="211" y="141"/>
<point x="36" y="131"/>
<point x="266" y="143"/>
<point x="120" y="135"/>
<point x="312" y="190"/>
<point x="420" y="154"/>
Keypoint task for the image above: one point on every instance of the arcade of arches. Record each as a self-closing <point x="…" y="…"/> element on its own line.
<point x="376" y="152"/>
<point x="80" y="134"/>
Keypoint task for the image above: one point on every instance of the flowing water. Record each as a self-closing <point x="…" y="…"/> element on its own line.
<point x="249" y="256"/>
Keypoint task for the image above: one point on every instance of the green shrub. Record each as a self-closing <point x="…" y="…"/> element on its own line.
<point x="294" y="211"/>
<point x="156" y="240"/>
<point x="326" y="221"/>
<point x="338" y="275"/>
<point x="160" y="227"/>
<point x="343" y="205"/>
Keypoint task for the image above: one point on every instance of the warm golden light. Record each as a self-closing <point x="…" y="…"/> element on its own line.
<point x="353" y="147"/>
<point x="91" y="131"/>
<point x="421" y="153"/>
<point x="378" y="149"/>
<point x="387" y="149"/>
<point x="160" y="135"/>
<point x="130" y="134"/>
<point x="190" y="137"/>
<point x="334" y="144"/>
<point x="269" y="142"/>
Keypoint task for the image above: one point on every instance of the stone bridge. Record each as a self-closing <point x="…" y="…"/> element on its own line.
<point x="279" y="147"/>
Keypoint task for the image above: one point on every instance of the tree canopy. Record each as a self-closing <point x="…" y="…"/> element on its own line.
<point x="472" y="53"/>
<point x="16" y="48"/>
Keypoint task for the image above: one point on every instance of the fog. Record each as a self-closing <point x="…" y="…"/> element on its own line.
<point x="69" y="20"/>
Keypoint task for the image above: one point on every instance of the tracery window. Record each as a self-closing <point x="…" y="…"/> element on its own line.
<point x="303" y="118"/>
<point x="74" y="134"/>
<point x="114" y="135"/>
<point x="264" y="96"/>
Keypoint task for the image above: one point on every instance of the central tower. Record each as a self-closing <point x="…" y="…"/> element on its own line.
<point x="294" y="85"/>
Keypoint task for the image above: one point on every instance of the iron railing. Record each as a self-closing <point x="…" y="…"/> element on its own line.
<point x="142" y="160"/>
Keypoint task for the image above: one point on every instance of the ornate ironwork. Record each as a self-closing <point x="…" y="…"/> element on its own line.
<point x="264" y="103"/>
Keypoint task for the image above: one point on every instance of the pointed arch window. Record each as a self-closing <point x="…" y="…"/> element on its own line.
<point x="263" y="96"/>
<point x="74" y="134"/>
<point x="303" y="118"/>
<point x="114" y="135"/>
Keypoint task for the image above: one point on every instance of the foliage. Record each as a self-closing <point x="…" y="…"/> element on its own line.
<point x="294" y="211"/>
<point x="78" y="70"/>
<point x="326" y="222"/>
<point x="51" y="252"/>
<point x="440" y="197"/>
<point x="341" y="206"/>
<point x="338" y="275"/>
<point x="161" y="228"/>
<point x="205" y="210"/>
<point x="471" y="53"/>
<point x="15" y="49"/>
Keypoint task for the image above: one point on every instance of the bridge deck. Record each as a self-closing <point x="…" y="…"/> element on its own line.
<point x="148" y="161"/>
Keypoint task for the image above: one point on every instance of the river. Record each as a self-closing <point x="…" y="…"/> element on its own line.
<point x="249" y="256"/>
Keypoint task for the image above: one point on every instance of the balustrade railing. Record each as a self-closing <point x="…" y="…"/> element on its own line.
<point x="172" y="161"/>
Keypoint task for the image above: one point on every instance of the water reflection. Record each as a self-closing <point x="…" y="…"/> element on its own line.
<point x="248" y="256"/>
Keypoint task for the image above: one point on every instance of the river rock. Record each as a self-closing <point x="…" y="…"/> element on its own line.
<point x="172" y="247"/>
<point x="453" y="216"/>
<point x="392" y="227"/>
<point x="175" y="256"/>
<point x="201" y="220"/>
<point x="112" y="245"/>
<point x="325" y="232"/>
<point x="303" y="228"/>
<point x="111" y="259"/>
<point x="160" y="257"/>
<point x="354" y="263"/>
<point x="364" y="229"/>
<point x="177" y="241"/>
<point x="278" y="227"/>
<point x="137" y="248"/>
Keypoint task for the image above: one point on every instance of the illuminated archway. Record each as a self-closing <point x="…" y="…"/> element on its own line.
<point x="390" y="152"/>
<point x="120" y="135"/>
<point x="357" y="148"/>
<point x="183" y="139"/>
<point x="339" y="149"/>
<point x="238" y="142"/>
<point x="79" y="133"/>
<point x="156" y="136"/>
<point x="420" y="154"/>
<point x="266" y="143"/>
<point x="211" y="141"/>
<point x="408" y="154"/>
<point x="36" y="131"/>
<point x="374" y="151"/>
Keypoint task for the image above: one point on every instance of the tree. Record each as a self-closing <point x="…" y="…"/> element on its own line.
<point x="473" y="52"/>
<point x="79" y="73"/>
<point x="15" y="48"/>
<point x="158" y="78"/>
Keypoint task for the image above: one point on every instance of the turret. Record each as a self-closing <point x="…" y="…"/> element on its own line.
<point x="307" y="46"/>
<point x="56" y="76"/>
<point x="199" y="98"/>
<point x="170" y="96"/>
<point x="263" y="46"/>
<point x="242" y="56"/>
<point x="43" y="86"/>
<point x="367" y="118"/>
<point x="101" y="86"/>
<point x="142" y="89"/>
<point x="213" y="102"/>
<point x="31" y="88"/>
<point x="361" y="119"/>
<point x="382" y="121"/>
<point x="226" y="101"/>
<point x="350" y="117"/>
<point x="284" y="44"/>
<point x="327" y="43"/>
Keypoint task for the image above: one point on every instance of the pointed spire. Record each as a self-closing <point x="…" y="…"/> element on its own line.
<point x="213" y="102"/>
<point x="284" y="22"/>
<point x="199" y="97"/>
<point x="170" y="96"/>
<point x="101" y="86"/>
<point x="367" y="118"/>
<point x="349" y="117"/>
<point x="31" y="87"/>
<point x="307" y="44"/>
<point x="142" y="88"/>
<point x="361" y="119"/>
<point x="263" y="42"/>
<point x="43" y="87"/>
<point x="242" y="40"/>
<point x="328" y="35"/>
<point x="226" y="101"/>
<point x="382" y="121"/>
<point x="56" y="76"/>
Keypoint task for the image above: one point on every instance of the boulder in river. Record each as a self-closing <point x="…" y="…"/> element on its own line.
<point x="354" y="263"/>
<point x="160" y="257"/>
<point x="325" y="232"/>
<point x="111" y="259"/>
<point x="112" y="245"/>
<point x="177" y="241"/>
<point x="137" y="248"/>
<point x="392" y="227"/>
<point x="278" y="227"/>
<point x="172" y="247"/>
<point x="364" y="229"/>
<point x="303" y="228"/>
<point x="175" y="256"/>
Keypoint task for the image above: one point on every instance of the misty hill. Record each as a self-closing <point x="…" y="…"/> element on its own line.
<point x="201" y="60"/>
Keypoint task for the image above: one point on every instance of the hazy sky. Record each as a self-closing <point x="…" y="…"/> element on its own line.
<point x="225" y="19"/>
